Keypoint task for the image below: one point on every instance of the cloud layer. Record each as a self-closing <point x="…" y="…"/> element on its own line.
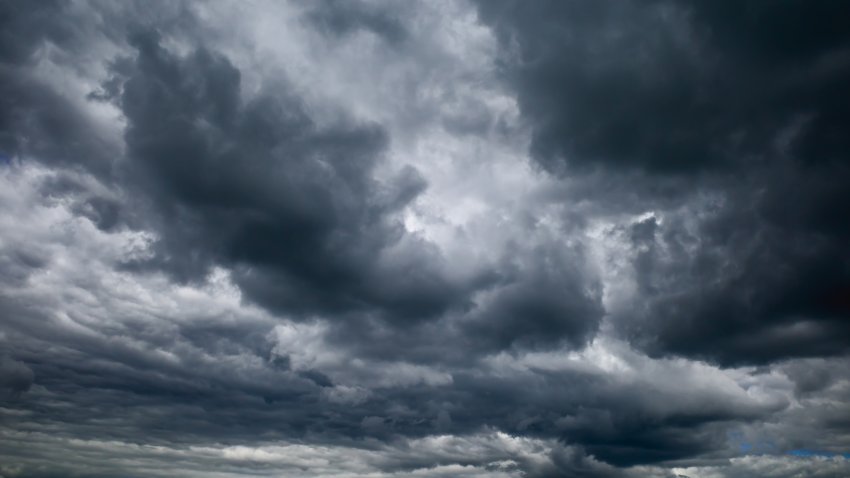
<point x="439" y="239"/>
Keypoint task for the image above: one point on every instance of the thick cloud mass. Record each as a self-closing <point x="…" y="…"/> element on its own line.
<point x="676" y="87"/>
<point x="744" y="103"/>
<point x="261" y="185"/>
<point x="496" y="238"/>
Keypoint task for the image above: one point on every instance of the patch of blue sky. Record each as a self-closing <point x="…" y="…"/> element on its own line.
<point x="806" y="453"/>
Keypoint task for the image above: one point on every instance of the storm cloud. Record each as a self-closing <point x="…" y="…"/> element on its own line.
<point x="495" y="238"/>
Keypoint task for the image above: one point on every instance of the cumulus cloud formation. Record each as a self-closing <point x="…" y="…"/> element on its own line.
<point x="437" y="239"/>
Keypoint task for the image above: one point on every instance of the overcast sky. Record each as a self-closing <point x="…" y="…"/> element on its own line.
<point x="437" y="238"/>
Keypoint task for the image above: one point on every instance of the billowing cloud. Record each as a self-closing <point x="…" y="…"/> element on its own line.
<point x="726" y="130"/>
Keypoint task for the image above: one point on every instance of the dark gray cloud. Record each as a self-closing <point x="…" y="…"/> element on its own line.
<point x="743" y="103"/>
<point x="37" y="122"/>
<point x="27" y="27"/>
<point x="15" y="377"/>
<point x="672" y="87"/>
<point x="292" y="203"/>
<point x="304" y="239"/>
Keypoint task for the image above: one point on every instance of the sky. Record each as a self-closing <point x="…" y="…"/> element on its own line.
<point x="448" y="238"/>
